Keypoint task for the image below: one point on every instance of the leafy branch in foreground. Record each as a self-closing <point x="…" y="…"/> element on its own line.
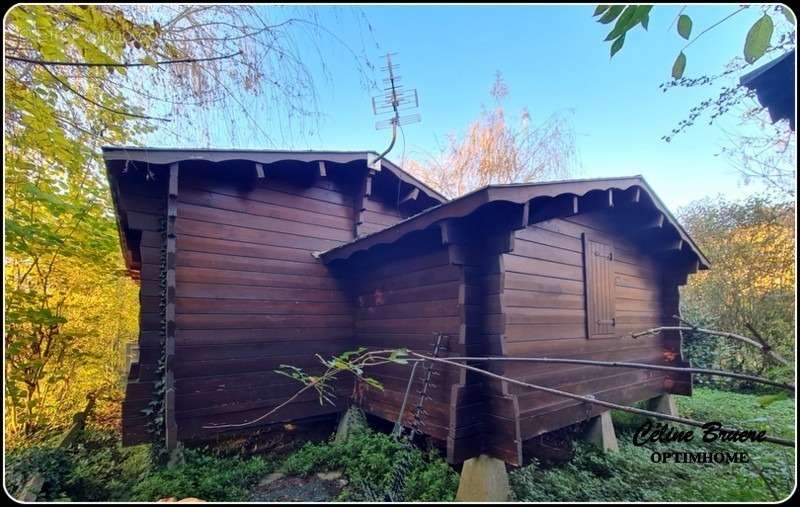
<point x="756" y="43"/>
<point x="352" y="362"/>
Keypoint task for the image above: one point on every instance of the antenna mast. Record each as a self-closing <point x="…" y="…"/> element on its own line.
<point x="395" y="98"/>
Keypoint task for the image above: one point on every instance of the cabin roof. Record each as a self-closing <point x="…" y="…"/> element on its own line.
<point x="171" y="155"/>
<point x="519" y="193"/>
<point x="117" y="157"/>
<point x="774" y="84"/>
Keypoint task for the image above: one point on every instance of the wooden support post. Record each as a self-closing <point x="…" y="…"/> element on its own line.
<point x="260" y="171"/>
<point x="359" y="206"/>
<point x="664" y="404"/>
<point x="483" y="479"/>
<point x="170" y="426"/>
<point x="323" y="171"/>
<point x="368" y="186"/>
<point x="601" y="432"/>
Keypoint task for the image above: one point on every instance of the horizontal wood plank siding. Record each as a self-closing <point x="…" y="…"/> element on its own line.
<point x="545" y="316"/>
<point x="250" y="296"/>
<point x="378" y="211"/>
<point x="145" y="202"/>
<point x="403" y="299"/>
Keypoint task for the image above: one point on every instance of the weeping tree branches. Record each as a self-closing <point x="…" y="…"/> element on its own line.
<point x="181" y="54"/>
<point x="499" y="149"/>
<point x="124" y="64"/>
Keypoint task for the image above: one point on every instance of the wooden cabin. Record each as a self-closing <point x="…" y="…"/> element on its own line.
<point x="252" y="259"/>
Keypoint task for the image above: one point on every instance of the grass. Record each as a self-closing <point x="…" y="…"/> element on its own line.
<point x="630" y="475"/>
<point x="368" y="460"/>
<point x="100" y="469"/>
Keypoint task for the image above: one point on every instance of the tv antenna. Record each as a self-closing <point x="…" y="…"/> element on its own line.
<point x="395" y="98"/>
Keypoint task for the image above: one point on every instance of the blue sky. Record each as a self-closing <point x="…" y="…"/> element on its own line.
<point x="553" y="58"/>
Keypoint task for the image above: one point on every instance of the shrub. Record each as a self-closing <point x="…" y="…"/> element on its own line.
<point x="97" y="468"/>
<point x="630" y="475"/>
<point x="369" y="458"/>
<point x="202" y="475"/>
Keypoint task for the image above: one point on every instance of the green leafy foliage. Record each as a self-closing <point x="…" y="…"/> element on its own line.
<point x="203" y="475"/>
<point x="369" y="458"/>
<point x="685" y="26"/>
<point x="100" y="469"/>
<point x="97" y="469"/>
<point x="751" y="246"/>
<point x="629" y="475"/>
<point x="679" y="66"/>
<point x="624" y="21"/>
<point x="62" y="278"/>
<point x="757" y="41"/>
<point x="610" y="14"/>
<point x="758" y="38"/>
<point x="769" y="399"/>
<point x="617" y="45"/>
<point x="627" y="17"/>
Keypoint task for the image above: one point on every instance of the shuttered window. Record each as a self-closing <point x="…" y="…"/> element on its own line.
<point x="598" y="261"/>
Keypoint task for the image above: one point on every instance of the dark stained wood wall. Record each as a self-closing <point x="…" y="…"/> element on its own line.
<point x="250" y="296"/>
<point x="379" y="214"/>
<point x="378" y="203"/>
<point x="404" y="297"/>
<point x="543" y="299"/>
<point x="488" y="422"/>
<point x="145" y="202"/>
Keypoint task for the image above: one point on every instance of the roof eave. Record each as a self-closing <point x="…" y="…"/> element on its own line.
<point x="164" y="156"/>
<point x="518" y="193"/>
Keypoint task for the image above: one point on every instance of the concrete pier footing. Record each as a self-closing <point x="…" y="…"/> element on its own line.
<point x="601" y="432"/>
<point x="483" y="479"/>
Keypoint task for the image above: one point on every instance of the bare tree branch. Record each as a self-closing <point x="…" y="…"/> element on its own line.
<point x="682" y="420"/>
<point x="735" y="336"/>
<point x="623" y="364"/>
<point x="98" y="64"/>
<point x="101" y="106"/>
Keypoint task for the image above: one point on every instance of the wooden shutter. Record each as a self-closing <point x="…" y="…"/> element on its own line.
<point x="598" y="262"/>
